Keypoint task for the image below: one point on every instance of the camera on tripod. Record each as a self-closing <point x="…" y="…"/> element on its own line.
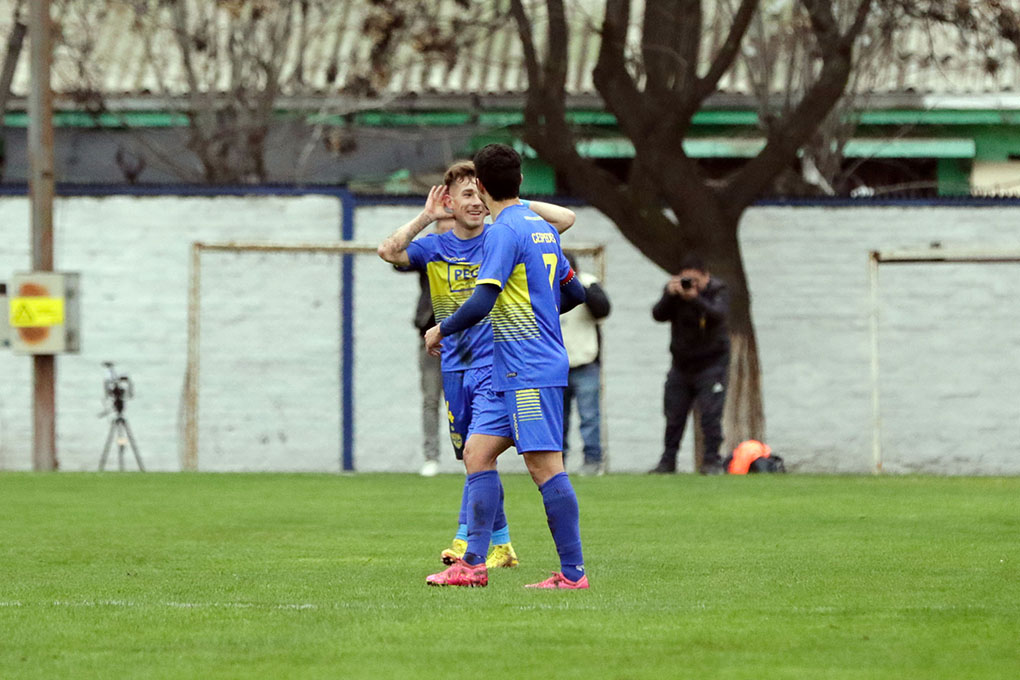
<point x="118" y="389"/>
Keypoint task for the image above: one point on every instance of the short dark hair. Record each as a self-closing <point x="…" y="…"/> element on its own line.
<point x="499" y="168"/>
<point x="693" y="261"/>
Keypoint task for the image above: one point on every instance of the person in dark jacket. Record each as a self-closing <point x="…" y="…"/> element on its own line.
<point x="696" y="305"/>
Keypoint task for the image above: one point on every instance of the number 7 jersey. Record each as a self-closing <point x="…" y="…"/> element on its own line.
<point x="521" y="254"/>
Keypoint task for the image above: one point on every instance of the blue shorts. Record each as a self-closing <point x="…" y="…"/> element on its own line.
<point x="472" y="407"/>
<point x="537" y="417"/>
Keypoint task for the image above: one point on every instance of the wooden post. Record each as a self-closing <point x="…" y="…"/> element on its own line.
<point x="876" y="410"/>
<point x="41" y="190"/>
<point x="189" y="460"/>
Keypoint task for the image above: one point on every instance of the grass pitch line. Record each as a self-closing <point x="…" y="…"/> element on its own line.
<point x="169" y="605"/>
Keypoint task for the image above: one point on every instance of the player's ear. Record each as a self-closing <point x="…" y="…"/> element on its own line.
<point x="481" y="187"/>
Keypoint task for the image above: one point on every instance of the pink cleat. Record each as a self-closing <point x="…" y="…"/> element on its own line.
<point x="559" y="581"/>
<point x="460" y="573"/>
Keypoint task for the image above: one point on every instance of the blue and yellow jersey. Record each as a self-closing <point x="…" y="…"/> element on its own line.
<point x="452" y="268"/>
<point x="521" y="254"/>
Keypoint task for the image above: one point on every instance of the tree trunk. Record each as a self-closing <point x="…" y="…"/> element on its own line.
<point x="744" y="417"/>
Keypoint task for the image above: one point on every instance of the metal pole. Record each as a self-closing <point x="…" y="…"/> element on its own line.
<point x="41" y="191"/>
<point x="876" y="414"/>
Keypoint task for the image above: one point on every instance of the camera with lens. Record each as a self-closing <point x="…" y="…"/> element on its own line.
<point x="118" y="389"/>
<point x="687" y="283"/>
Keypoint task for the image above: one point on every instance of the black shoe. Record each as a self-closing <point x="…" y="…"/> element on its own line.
<point x="715" y="468"/>
<point x="663" y="468"/>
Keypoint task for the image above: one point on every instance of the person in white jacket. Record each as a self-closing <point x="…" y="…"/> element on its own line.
<point x="583" y="340"/>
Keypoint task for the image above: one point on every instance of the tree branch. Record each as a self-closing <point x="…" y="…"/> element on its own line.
<point x="728" y="52"/>
<point x="546" y="129"/>
<point x="15" y="40"/>
<point x="785" y="138"/>
<point x="612" y="79"/>
<point x="527" y="41"/>
<point x="557" y="37"/>
<point x="663" y="34"/>
<point x="670" y="42"/>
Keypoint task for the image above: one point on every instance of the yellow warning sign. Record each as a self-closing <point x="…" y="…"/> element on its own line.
<point x="36" y="312"/>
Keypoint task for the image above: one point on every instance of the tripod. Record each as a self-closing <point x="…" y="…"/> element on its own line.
<point x="119" y="427"/>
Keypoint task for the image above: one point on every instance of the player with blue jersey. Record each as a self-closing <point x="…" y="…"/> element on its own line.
<point x="523" y="285"/>
<point x="451" y="261"/>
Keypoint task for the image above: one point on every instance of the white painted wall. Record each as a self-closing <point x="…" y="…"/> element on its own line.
<point x="950" y="338"/>
<point x="133" y="254"/>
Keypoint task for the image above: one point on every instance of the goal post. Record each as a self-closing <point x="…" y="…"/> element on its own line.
<point x="189" y="457"/>
<point x="932" y="255"/>
<point x="200" y="290"/>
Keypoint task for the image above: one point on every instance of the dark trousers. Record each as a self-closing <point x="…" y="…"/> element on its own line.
<point x="704" y="386"/>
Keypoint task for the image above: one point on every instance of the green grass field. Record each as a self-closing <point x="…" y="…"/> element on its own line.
<point x="292" y="576"/>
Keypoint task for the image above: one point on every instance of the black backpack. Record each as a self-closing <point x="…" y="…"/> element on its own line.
<point x="771" y="464"/>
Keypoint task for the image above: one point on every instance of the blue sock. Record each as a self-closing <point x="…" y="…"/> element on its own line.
<point x="501" y="536"/>
<point x="462" y="517"/>
<point x="500" y="529"/>
<point x="483" y="500"/>
<point x="564" y="523"/>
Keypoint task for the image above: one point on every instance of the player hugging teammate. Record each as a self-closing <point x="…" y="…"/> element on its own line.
<point x="504" y="371"/>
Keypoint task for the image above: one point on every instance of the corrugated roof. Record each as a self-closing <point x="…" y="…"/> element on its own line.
<point x="103" y="45"/>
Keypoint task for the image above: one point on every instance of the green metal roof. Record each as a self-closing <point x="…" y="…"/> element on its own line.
<point x="735" y="147"/>
<point x="506" y="118"/>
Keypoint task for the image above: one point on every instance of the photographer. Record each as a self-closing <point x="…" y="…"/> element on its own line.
<point x="696" y="306"/>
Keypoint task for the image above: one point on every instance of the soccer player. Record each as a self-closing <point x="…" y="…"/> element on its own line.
<point x="451" y="262"/>
<point x="524" y="283"/>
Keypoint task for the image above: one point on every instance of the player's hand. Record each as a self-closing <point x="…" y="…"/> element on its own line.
<point x="673" y="286"/>
<point x="435" y="208"/>
<point x="433" y="338"/>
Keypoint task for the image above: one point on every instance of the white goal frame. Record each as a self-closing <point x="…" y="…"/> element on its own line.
<point x="933" y="255"/>
<point x="189" y="451"/>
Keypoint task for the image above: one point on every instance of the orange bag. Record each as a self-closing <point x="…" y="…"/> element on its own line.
<point x="745" y="454"/>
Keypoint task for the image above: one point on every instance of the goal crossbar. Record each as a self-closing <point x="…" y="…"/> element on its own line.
<point x="931" y="255"/>
<point x="948" y="255"/>
<point x="189" y="454"/>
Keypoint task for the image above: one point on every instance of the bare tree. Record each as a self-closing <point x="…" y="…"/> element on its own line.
<point x="773" y="53"/>
<point x="977" y="24"/>
<point x="654" y="89"/>
<point x="226" y="66"/>
<point x="778" y="62"/>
